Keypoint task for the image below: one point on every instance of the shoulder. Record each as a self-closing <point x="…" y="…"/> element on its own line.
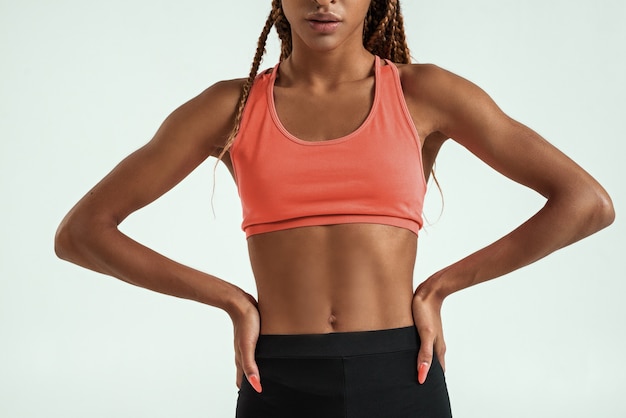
<point x="429" y="81"/>
<point x="221" y="95"/>
<point x="208" y="117"/>
<point x="226" y="89"/>
<point x="425" y="77"/>
<point x="447" y="97"/>
<point x="412" y="74"/>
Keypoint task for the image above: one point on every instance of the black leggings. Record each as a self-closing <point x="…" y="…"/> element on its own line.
<point x="366" y="374"/>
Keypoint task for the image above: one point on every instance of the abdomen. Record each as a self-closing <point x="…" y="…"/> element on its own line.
<point x="334" y="278"/>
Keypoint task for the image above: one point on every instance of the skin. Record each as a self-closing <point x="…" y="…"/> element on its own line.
<point x="332" y="278"/>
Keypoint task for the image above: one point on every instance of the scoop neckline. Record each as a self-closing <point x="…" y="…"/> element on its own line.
<point x="290" y="136"/>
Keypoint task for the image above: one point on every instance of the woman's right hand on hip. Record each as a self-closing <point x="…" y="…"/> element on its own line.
<point x="247" y="326"/>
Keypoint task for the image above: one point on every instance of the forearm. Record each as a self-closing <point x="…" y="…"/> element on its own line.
<point x="562" y="221"/>
<point x="103" y="248"/>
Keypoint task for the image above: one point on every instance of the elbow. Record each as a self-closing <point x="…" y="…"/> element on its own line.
<point x="63" y="240"/>
<point x="600" y="211"/>
<point x="80" y="238"/>
<point x="72" y="237"/>
<point x="605" y="211"/>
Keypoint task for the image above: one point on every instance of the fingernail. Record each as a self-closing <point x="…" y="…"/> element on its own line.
<point x="255" y="382"/>
<point x="422" y="371"/>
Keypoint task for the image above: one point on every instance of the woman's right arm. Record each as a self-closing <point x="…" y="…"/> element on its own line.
<point x="89" y="234"/>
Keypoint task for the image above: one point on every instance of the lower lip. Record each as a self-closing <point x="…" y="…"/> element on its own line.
<point x="323" y="27"/>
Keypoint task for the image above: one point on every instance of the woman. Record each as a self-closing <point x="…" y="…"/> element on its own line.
<point x="331" y="150"/>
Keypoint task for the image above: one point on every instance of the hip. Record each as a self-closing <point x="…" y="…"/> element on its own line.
<point x="343" y="374"/>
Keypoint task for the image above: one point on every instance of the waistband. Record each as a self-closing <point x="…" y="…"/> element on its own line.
<point x="338" y="344"/>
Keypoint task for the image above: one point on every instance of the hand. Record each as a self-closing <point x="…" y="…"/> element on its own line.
<point x="427" y="318"/>
<point x="247" y="326"/>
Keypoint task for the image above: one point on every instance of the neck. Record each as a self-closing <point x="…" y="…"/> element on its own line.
<point x="327" y="67"/>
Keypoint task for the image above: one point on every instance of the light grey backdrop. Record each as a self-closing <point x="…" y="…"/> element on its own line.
<point x="85" y="83"/>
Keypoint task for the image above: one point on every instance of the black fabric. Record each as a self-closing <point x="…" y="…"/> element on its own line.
<point x="370" y="374"/>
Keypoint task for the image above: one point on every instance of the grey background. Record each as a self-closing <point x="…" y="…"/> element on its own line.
<point x="85" y="83"/>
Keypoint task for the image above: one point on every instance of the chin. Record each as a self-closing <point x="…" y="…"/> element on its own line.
<point x="324" y="46"/>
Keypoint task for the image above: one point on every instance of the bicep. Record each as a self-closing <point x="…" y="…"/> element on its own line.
<point x="186" y="138"/>
<point x="470" y="117"/>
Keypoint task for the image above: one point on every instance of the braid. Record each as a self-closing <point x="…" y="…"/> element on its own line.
<point x="400" y="49"/>
<point x="245" y="90"/>
<point x="383" y="33"/>
<point x="283" y="28"/>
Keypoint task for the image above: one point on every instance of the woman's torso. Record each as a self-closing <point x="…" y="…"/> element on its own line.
<point x="332" y="278"/>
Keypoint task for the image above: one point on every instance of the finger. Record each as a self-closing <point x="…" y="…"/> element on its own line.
<point x="440" y="349"/>
<point x="424" y="359"/>
<point x="250" y="368"/>
<point x="239" y="376"/>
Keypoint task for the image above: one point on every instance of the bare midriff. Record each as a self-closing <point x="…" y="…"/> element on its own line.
<point x="334" y="278"/>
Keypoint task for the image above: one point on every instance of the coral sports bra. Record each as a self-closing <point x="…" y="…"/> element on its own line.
<point x="372" y="175"/>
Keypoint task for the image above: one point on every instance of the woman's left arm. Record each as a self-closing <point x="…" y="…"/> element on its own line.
<point x="576" y="207"/>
